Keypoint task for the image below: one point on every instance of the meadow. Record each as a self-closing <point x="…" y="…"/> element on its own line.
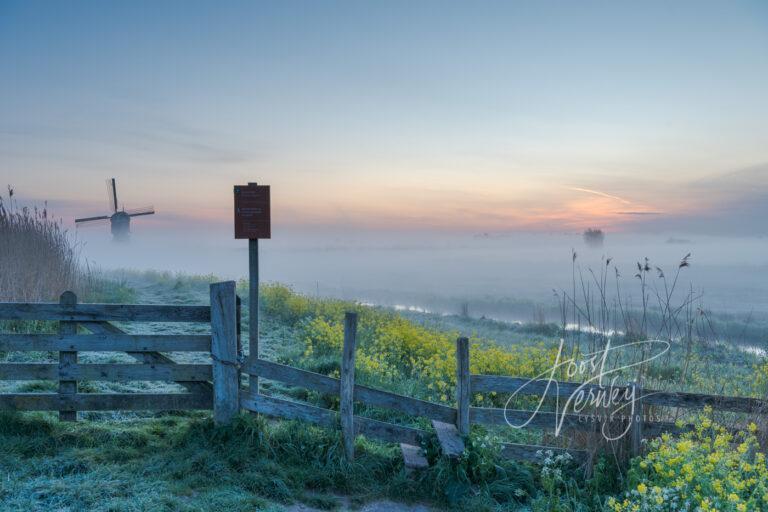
<point x="175" y="461"/>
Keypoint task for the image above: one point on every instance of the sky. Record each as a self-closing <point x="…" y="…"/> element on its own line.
<point x="443" y="116"/>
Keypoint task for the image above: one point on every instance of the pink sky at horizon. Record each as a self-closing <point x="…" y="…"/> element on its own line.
<point x="528" y="208"/>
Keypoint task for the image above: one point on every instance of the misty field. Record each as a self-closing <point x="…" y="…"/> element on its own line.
<point x="174" y="461"/>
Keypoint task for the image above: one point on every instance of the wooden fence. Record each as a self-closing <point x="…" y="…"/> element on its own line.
<point x="74" y="319"/>
<point x="216" y="386"/>
<point x="452" y="424"/>
<point x="348" y="392"/>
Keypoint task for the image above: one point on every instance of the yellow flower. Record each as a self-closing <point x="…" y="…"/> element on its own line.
<point x="641" y="488"/>
<point x="684" y="446"/>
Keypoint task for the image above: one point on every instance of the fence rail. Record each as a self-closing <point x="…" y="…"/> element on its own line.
<point x="105" y="401"/>
<point x="523" y="386"/>
<point x="281" y="408"/>
<point x="104" y="343"/>
<point x="105" y="372"/>
<point x="370" y="396"/>
<point x="104" y="312"/>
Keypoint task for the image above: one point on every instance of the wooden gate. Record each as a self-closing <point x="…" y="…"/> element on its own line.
<point x="89" y="328"/>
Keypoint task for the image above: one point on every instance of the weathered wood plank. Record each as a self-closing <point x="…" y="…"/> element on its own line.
<point x="147" y="357"/>
<point x="226" y="375"/>
<point x="369" y="396"/>
<point x="413" y="456"/>
<point x="67" y="386"/>
<point x="104" y="312"/>
<point x="105" y="401"/>
<point x="104" y="343"/>
<point x="388" y="432"/>
<point x="347" y="382"/>
<point x="405" y="404"/>
<point x="503" y="384"/>
<point x="652" y="429"/>
<point x="239" y="307"/>
<point x="542" y="419"/>
<point x="699" y="401"/>
<point x="29" y="371"/>
<point x="279" y="408"/>
<point x="131" y="372"/>
<point x="546" y="421"/>
<point x="451" y="442"/>
<point x="105" y="372"/>
<point x="294" y="376"/>
<point x="530" y="453"/>
<point x="253" y="311"/>
<point x="462" y="386"/>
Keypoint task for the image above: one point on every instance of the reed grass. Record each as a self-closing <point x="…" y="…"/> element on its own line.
<point x="39" y="258"/>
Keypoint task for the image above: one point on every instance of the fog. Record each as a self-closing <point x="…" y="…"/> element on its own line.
<point x="436" y="269"/>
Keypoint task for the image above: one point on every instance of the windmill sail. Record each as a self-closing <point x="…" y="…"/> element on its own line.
<point x="112" y="194"/>
<point x="146" y="210"/>
<point x="91" y="220"/>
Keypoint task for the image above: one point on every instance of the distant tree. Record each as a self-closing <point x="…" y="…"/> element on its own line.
<point x="594" y="237"/>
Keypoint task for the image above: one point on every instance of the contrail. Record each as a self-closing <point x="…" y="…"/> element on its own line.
<point x="602" y="194"/>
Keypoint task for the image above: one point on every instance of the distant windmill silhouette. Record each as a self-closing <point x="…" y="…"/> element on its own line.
<point x="120" y="220"/>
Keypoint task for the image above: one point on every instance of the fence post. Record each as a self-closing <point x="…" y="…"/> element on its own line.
<point x="462" y="386"/>
<point x="346" y="406"/>
<point x="253" y="313"/>
<point x="239" y="306"/>
<point x="67" y="358"/>
<point x="226" y="378"/>
<point x="636" y="430"/>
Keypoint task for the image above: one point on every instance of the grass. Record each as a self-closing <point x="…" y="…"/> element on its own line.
<point x="173" y="462"/>
<point x="162" y="463"/>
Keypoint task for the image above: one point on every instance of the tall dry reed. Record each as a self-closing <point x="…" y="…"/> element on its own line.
<point x="39" y="259"/>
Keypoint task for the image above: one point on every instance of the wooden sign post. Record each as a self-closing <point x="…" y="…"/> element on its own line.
<point x="252" y="221"/>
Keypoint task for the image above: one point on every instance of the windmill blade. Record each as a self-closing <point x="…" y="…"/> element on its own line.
<point x="146" y="210"/>
<point x="91" y="221"/>
<point x="112" y="194"/>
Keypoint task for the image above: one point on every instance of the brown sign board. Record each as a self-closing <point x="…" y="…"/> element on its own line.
<point x="252" y="216"/>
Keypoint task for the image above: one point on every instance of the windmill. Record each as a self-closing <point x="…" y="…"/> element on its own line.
<point x="120" y="220"/>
